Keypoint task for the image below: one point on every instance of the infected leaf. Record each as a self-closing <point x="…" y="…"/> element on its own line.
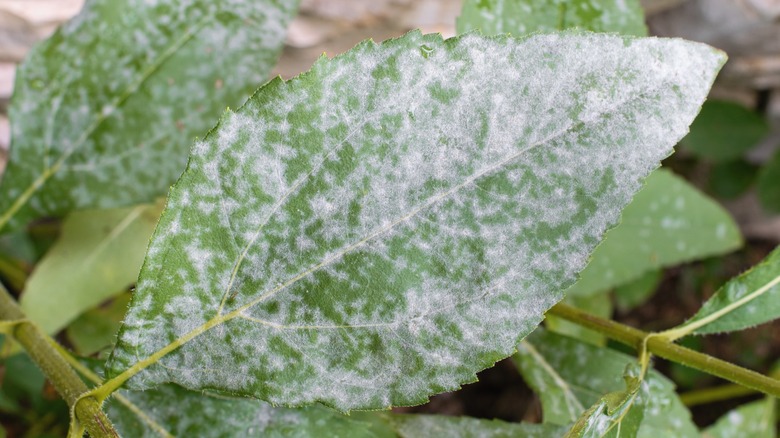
<point x="384" y="226"/>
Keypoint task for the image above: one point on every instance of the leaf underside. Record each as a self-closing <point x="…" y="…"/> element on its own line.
<point x="104" y="111"/>
<point x="384" y="226"/>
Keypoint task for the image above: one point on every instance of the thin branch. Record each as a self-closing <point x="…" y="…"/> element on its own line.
<point x="67" y="383"/>
<point x="666" y="349"/>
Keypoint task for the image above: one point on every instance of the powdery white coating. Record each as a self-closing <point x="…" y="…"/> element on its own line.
<point x="520" y="17"/>
<point x="383" y="227"/>
<point x="110" y="103"/>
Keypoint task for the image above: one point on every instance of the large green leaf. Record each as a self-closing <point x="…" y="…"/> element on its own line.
<point x="98" y="255"/>
<point x="571" y="376"/>
<point x="383" y="227"/>
<point x="745" y="301"/>
<point x="520" y="17"/>
<point x="725" y="131"/>
<point x="668" y="222"/>
<point x="755" y="420"/>
<point x="105" y="110"/>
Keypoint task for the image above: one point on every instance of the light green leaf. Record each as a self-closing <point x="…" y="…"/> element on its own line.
<point x="668" y="222"/>
<point x="97" y="256"/>
<point x="383" y="227"/>
<point x="754" y="420"/>
<point x="569" y="376"/>
<point x="725" y="131"/>
<point x="104" y="111"/>
<point x="96" y="329"/>
<point x="769" y="185"/>
<point x="745" y="301"/>
<point x="520" y="17"/>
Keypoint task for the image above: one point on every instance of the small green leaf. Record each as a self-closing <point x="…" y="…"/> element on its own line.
<point x="570" y="375"/>
<point x="750" y="299"/>
<point x="104" y="111"/>
<point x="754" y="420"/>
<point x="724" y="131"/>
<point x="383" y="227"/>
<point x="520" y="17"/>
<point x="616" y="414"/>
<point x="96" y="329"/>
<point x="668" y="222"/>
<point x="769" y="185"/>
<point x="97" y="256"/>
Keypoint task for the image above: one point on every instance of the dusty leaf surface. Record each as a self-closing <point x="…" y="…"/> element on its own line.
<point x="384" y="226"/>
<point x="105" y="110"/>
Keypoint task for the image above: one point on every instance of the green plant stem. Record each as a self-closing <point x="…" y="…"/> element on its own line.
<point x="666" y="349"/>
<point x="725" y="392"/>
<point x="65" y="380"/>
<point x="711" y="395"/>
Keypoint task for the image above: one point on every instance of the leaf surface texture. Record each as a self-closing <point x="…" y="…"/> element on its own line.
<point x="384" y="226"/>
<point x="105" y="110"/>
